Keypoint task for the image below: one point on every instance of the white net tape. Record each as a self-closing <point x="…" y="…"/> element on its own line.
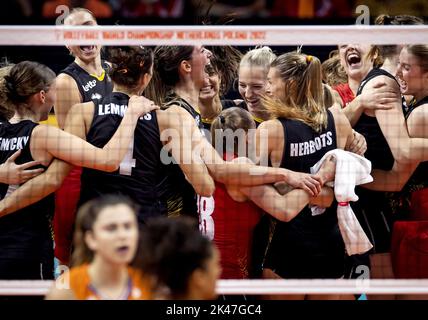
<point x="253" y="287"/>
<point x="211" y="35"/>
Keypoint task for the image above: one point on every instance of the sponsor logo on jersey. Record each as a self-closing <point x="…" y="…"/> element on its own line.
<point x="96" y="96"/>
<point x="89" y="85"/>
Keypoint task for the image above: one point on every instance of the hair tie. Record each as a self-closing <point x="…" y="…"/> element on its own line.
<point x="124" y="70"/>
<point x="309" y="59"/>
<point x="222" y="119"/>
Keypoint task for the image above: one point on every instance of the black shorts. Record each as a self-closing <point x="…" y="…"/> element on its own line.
<point x="373" y="211"/>
<point x="29" y="263"/>
<point x="299" y="253"/>
<point x="24" y="269"/>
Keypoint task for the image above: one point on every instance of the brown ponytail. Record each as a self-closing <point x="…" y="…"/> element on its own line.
<point x="304" y="98"/>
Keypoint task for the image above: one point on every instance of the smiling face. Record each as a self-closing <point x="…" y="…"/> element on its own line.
<point x="252" y="85"/>
<point x="199" y="60"/>
<point x="411" y="76"/>
<point x="356" y="60"/>
<point x="211" y="86"/>
<point x="84" y="53"/>
<point x="114" y="234"/>
<point x="276" y="85"/>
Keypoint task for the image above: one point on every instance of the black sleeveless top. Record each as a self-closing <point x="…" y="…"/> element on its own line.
<point x="307" y="246"/>
<point x="374" y="209"/>
<point x="179" y="192"/>
<point x="90" y="86"/>
<point x="415" y="104"/>
<point x="186" y="106"/>
<point x="24" y="234"/>
<point x="378" y="151"/>
<point x="303" y="148"/>
<point x="140" y="171"/>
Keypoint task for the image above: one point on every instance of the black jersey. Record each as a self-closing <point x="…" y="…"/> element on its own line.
<point x="307" y="246"/>
<point x="182" y="200"/>
<point x="415" y="104"/>
<point x="304" y="147"/>
<point x="140" y="170"/>
<point x="25" y="234"/>
<point x="186" y="106"/>
<point x="90" y="86"/>
<point x="378" y="151"/>
<point x="373" y="208"/>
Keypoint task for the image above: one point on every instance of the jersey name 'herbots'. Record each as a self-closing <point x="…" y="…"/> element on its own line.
<point x="311" y="146"/>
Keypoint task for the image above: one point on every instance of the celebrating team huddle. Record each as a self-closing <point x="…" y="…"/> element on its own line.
<point x="155" y="184"/>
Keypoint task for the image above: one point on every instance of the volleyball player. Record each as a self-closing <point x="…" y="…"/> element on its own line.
<point x="307" y="246"/>
<point x="394" y="155"/>
<point x="85" y="79"/>
<point x="10" y="172"/>
<point x="253" y="70"/>
<point x="26" y="244"/>
<point x="105" y="243"/>
<point x="143" y="175"/>
<point x="221" y="74"/>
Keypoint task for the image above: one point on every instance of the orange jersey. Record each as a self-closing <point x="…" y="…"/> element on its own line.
<point x="80" y="284"/>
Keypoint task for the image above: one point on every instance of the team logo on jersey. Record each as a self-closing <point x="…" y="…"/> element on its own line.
<point x="147" y="116"/>
<point x="89" y="85"/>
<point x="96" y="96"/>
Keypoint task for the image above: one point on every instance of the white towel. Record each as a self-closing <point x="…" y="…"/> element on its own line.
<point x="351" y="170"/>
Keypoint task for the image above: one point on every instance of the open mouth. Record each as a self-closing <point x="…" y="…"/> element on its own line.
<point x="87" y="49"/>
<point x="353" y="59"/>
<point x="403" y="85"/>
<point x="123" y="249"/>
